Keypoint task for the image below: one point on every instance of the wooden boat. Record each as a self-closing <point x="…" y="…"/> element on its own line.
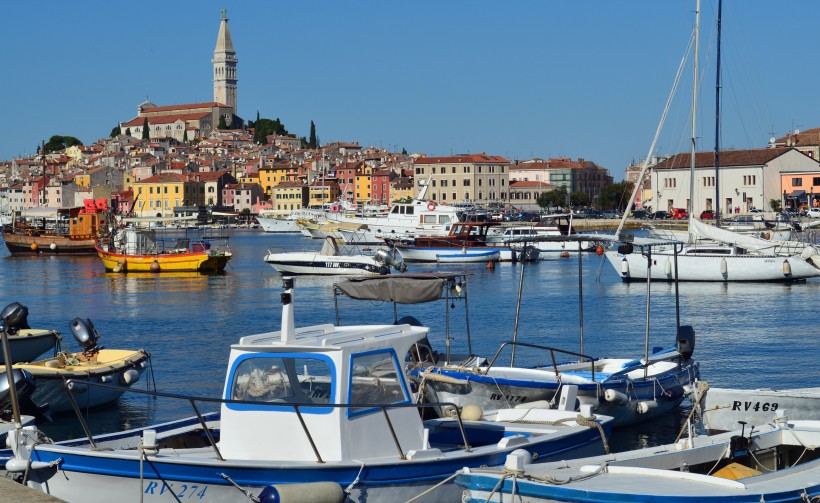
<point x="774" y="462"/>
<point x="120" y="367"/>
<point x="139" y="250"/>
<point x="56" y="231"/>
<point x="724" y="409"/>
<point x="25" y="343"/>
<point x="322" y="413"/>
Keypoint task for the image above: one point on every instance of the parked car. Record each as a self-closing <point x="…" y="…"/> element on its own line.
<point x="707" y="215"/>
<point x="588" y="213"/>
<point x="612" y="214"/>
<point x="659" y="215"/>
<point x="639" y="214"/>
<point x="679" y="213"/>
<point x="813" y="213"/>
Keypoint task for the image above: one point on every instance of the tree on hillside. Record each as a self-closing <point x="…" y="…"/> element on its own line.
<point x="57" y="143"/>
<point x="222" y="124"/>
<point x="265" y="127"/>
<point x="615" y="196"/>
<point x="313" y="142"/>
<point x="116" y="131"/>
<point x="185" y="136"/>
<point x="776" y="205"/>
<point x="128" y="131"/>
<point x="146" y="135"/>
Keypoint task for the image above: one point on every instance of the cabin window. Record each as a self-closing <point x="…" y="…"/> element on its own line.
<point x="291" y="379"/>
<point x="376" y="378"/>
<point x="428" y="219"/>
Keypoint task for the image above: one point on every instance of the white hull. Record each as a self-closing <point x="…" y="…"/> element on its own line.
<point x="273" y="224"/>
<point x="410" y="254"/>
<point x="467" y="257"/>
<point x="320" y="264"/>
<point x="724" y="408"/>
<point x="703" y="267"/>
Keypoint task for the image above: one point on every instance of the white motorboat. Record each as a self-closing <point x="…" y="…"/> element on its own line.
<point x="121" y="367"/>
<point x="418" y="217"/>
<point x="775" y="462"/>
<point x="317" y="413"/>
<point x="25" y="343"/>
<point x="467" y="256"/>
<point x="284" y="221"/>
<point x="724" y="409"/>
<point x="331" y="260"/>
<point x="559" y="224"/>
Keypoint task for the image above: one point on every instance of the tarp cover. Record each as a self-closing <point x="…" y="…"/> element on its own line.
<point x="399" y="288"/>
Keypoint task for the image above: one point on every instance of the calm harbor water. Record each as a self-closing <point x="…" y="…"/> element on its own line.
<point x="748" y="335"/>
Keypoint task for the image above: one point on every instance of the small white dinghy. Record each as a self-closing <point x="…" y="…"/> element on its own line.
<point x="779" y="461"/>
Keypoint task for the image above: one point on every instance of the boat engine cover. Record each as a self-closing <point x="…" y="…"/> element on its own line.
<point x="686" y="341"/>
<point x="24" y="384"/>
<point x="16" y="316"/>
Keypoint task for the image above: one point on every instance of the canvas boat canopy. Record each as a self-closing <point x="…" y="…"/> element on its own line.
<point x="399" y="288"/>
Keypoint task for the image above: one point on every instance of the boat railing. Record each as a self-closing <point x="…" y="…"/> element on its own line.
<point x="68" y="384"/>
<point x="552" y="351"/>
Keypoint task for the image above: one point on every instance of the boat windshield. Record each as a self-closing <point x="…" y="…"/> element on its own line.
<point x="283" y="379"/>
<point x="375" y="379"/>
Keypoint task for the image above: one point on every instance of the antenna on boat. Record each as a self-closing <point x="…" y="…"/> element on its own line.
<point x="288" y="326"/>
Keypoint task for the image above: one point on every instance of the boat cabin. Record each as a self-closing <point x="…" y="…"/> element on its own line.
<point x="462" y="234"/>
<point x="337" y="375"/>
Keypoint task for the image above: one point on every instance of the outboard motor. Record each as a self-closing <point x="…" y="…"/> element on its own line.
<point x="85" y="334"/>
<point x="686" y="341"/>
<point x="386" y="257"/>
<point x="25" y="386"/>
<point x="15" y="315"/>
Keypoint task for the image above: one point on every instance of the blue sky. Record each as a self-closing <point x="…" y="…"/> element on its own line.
<point x="518" y="79"/>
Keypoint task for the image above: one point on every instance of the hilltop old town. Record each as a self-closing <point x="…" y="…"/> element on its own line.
<point x="174" y="160"/>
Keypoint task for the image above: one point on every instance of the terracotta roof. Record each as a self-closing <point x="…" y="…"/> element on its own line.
<point x="754" y="157"/>
<point x="523" y="184"/>
<point x="809" y="137"/>
<point x="465" y="158"/>
<point x="169" y="108"/>
<point x="165" y="178"/>
<point x="166" y="119"/>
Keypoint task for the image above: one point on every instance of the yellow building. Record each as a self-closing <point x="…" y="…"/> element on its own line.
<point x="289" y="196"/>
<point x="272" y="175"/>
<point x="362" y="190"/>
<point x="160" y="194"/>
<point x="322" y="192"/>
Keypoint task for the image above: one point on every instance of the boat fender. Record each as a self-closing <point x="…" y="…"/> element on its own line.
<point x="624" y="267"/>
<point x="22" y="465"/>
<point x="673" y="393"/>
<point x="120" y="267"/>
<point x="129" y="377"/>
<point x="787" y="268"/>
<point x="471" y="413"/>
<point x="317" y="492"/>
<point x="646" y="406"/>
<point x="53" y="246"/>
<point x="34" y="247"/>
<point x="724" y="267"/>
<point x="808" y="252"/>
<point x="431" y="205"/>
<point x="615" y="396"/>
<point x="154" y="266"/>
<point x="667" y="267"/>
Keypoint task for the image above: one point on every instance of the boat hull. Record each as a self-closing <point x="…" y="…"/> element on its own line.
<point x="204" y="261"/>
<point x="90" y="475"/>
<point x="121" y="368"/>
<point x="632" y="400"/>
<point x="328" y="265"/>
<point x="419" y="254"/>
<point x="28" y="344"/>
<point x="723" y="409"/>
<point x="282" y="225"/>
<point x="24" y="244"/>
<point x="710" y="267"/>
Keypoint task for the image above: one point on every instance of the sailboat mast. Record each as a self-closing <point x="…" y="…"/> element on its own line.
<point x="694" y="111"/>
<point x="717" y="119"/>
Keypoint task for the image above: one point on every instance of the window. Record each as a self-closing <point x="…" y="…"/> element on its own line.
<point x="283" y="378"/>
<point x="377" y="379"/>
<point x="815" y="181"/>
<point x="797" y="182"/>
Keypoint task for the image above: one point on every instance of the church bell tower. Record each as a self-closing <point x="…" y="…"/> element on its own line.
<point x="225" y="65"/>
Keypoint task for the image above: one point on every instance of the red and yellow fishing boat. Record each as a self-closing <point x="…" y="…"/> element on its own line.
<point x="140" y="250"/>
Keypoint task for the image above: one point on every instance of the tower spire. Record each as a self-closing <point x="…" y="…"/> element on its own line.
<point x="225" y="65"/>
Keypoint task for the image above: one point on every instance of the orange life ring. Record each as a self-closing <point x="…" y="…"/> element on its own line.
<point x="431" y="206"/>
